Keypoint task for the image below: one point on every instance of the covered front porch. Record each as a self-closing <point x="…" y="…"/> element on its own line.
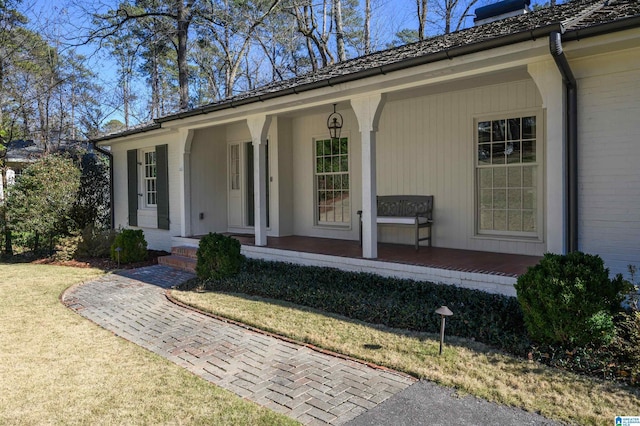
<point x="492" y="272"/>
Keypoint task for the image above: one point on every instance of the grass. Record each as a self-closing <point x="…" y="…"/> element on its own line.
<point x="58" y="368"/>
<point x="468" y="366"/>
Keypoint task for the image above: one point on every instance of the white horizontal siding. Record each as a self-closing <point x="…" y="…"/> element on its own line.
<point x="609" y="158"/>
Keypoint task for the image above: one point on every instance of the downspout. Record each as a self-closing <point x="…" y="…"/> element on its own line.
<point x="555" y="46"/>
<point x="111" y="191"/>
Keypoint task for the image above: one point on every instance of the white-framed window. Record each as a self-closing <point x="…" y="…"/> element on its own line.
<point x="332" y="181"/>
<point x="149" y="178"/>
<point x="508" y="175"/>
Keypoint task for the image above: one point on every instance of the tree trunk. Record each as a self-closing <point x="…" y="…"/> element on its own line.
<point x="421" y="6"/>
<point x="183" y="70"/>
<point x="367" y="27"/>
<point x="337" y="15"/>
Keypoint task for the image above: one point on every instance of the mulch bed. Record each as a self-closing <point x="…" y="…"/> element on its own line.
<point x="105" y="264"/>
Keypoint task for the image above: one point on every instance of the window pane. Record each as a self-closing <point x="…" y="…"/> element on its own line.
<point x="500" y="177"/>
<point x="486" y="198"/>
<point x="515" y="220"/>
<point x="528" y="199"/>
<point x="528" y="151"/>
<point x="513" y="152"/>
<point x="500" y="220"/>
<point x="486" y="178"/>
<point x="484" y="131"/>
<point x="528" y="220"/>
<point x="484" y="153"/>
<point x="514" y="177"/>
<point x="514" y="198"/>
<point x="528" y="177"/>
<point x="497" y="153"/>
<point x="327" y="147"/>
<point x="344" y="146"/>
<point x="486" y="219"/>
<point x="513" y="129"/>
<point x="528" y="127"/>
<point x="498" y="130"/>
<point x="500" y="198"/>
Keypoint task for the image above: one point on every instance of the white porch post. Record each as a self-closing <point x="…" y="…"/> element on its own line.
<point x="259" y="126"/>
<point x="367" y="110"/>
<point x="186" y="137"/>
<point x="549" y="82"/>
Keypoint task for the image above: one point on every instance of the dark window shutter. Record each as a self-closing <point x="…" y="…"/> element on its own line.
<point x="132" y="186"/>
<point x="162" y="182"/>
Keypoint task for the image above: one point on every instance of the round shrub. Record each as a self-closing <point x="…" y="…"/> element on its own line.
<point x="570" y="300"/>
<point x="218" y="257"/>
<point x="132" y="244"/>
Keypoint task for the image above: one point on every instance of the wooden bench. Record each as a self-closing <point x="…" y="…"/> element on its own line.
<point x="409" y="210"/>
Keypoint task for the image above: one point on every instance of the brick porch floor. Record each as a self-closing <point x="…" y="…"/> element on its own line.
<point x="435" y="257"/>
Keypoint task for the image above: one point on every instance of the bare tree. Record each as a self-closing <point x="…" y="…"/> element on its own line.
<point x="337" y="15"/>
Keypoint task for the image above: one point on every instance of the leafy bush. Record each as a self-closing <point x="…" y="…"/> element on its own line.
<point x="218" y="257"/>
<point x="400" y="303"/>
<point x="67" y="248"/>
<point x="41" y="200"/>
<point x="95" y="242"/>
<point x="570" y="300"/>
<point x="133" y="245"/>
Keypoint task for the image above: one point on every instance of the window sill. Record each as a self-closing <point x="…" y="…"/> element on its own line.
<point x="511" y="238"/>
<point x="336" y="227"/>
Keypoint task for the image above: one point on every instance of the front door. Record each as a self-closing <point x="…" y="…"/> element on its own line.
<point x="241" y="211"/>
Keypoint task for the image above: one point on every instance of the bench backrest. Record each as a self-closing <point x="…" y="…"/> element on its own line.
<point x="405" y="205"/>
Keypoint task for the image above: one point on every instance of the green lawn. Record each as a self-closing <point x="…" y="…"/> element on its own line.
<point x="58" y="368"/>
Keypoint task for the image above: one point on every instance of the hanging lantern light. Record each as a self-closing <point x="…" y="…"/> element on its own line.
<point x="334" y="124"/>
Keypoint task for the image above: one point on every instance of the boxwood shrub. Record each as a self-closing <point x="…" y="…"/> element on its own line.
<point x="218" y="257"/>
<point x="132" y="244"/>
<point x="399" y="303"/>
<point x="570" y="300"/>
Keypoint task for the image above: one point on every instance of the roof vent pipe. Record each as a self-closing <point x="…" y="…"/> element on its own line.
<point x="501" y="10"/>
<point x="555" y="47"/>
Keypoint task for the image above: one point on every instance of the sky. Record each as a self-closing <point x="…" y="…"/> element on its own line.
<point x="65" y="20"/>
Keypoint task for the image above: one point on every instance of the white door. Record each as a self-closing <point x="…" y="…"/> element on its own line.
<point x="235" y="184"/>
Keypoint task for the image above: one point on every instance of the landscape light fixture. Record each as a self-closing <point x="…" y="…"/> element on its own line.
<point x="444" y="312"/>
<point x="334" y="124"/>
<point x="118" y="250"/>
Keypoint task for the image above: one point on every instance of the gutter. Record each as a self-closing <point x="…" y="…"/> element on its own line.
<point x="109" y="155"/>
<point x="555" y="47"/>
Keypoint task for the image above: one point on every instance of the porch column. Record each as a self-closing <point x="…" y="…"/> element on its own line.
<point x="259" y="126"/>
<point x="186" y="137"/>
<point x="549" y="82"/>
<point x="367" y="110"/>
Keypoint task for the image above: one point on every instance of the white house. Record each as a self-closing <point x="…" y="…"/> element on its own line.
<point x="524" y="129"/>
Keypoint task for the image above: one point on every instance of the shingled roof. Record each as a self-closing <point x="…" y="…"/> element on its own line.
<point x="576" y="19"/>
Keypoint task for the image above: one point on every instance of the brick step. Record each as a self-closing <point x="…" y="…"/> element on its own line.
<point x="185" y="251"/>
<point x="183" y="263"/>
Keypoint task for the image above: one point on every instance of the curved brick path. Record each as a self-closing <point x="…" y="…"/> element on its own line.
<point x="312" y="387"/>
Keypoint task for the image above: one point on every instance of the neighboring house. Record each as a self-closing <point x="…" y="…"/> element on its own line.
<point x="524" y="129"/>
<point x="21" y="153"/>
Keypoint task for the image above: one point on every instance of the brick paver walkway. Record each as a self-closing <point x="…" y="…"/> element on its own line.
<point x="312" y="387"/>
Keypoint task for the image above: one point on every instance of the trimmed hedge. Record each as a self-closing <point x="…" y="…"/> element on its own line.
<point x="399" y="303"/>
